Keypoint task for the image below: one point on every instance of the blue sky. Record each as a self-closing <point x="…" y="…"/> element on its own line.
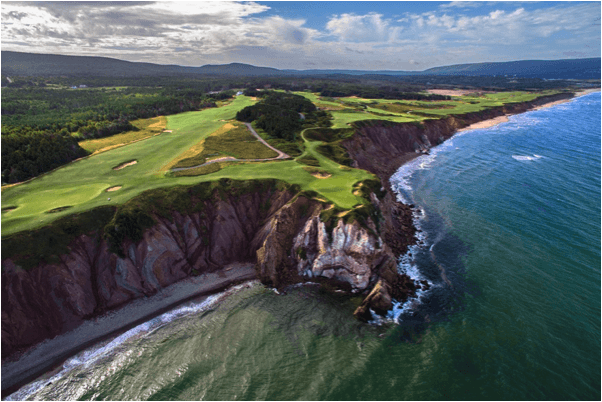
<point x="303" y="35"/>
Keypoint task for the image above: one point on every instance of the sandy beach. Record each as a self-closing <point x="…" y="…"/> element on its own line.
<point x="503" y="119"/>
<point x="53" y="352"/>
<point x="486" y="123"/>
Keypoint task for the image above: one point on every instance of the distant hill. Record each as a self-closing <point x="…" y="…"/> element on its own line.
<point x="550" y="69"/>
<point x="33" y="64"/>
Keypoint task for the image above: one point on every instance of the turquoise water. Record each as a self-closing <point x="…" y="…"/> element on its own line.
<point x="510" y="241"/>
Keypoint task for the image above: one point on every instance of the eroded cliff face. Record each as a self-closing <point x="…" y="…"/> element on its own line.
<point x="278" y="229"/>
<point x="381" y="147"/>
<point x="49" y="299"/>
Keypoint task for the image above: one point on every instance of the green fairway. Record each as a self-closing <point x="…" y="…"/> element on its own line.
<point x="82" y="185"/>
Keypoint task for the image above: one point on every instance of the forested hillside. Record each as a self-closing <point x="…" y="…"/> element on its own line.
<point x="41" y="126"/>
<point x="281" y="115"/>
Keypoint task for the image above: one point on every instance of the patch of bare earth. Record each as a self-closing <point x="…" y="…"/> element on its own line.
<point x="124" y="165"/>
<point x="449" y="92"/>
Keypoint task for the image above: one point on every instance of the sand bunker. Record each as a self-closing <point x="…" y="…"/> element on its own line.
<point x="321" y="175"/>
<point x="167" y="131"/>
<point x="114" y="188"/>
<point x="124" y="165"/>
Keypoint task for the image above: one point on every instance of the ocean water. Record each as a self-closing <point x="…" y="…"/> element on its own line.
<point x="510" y="241"/>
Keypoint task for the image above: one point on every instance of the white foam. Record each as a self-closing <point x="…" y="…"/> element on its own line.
<point x="89" y="356"/>
<point x="526" y="157"/>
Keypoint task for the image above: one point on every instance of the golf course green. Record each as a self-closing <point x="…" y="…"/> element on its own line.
<point x="83" y="184"/>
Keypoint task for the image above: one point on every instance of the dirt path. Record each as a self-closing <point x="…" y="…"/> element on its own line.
<point x="281" y="155"/>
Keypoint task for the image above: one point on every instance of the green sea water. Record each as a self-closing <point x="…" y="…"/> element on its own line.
<point x="510" y="242"/>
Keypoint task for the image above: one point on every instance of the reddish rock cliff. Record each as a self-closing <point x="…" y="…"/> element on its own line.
<point x="276" y="227"/>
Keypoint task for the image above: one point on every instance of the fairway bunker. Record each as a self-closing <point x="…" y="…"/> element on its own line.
<point x="114" y="188"/>
<point x="125" y="164"/>
<point x="59" y="209"/>
<point x="318" y="173"/>
<point x="9" y="208"/>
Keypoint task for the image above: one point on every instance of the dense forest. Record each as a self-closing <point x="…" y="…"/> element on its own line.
<point x="280" y="114"/>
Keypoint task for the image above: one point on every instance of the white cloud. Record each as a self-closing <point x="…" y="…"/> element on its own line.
<point x="219" y="32"/>
<point x="362" y="28"/>
<point x="498" y="26"/>
<point x="462" y="4"/>
<point x="476" y="4"/>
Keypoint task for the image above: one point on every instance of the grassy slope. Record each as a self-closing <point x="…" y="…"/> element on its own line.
<point x="460" y="105"/>
<point x="146" y="128"/>
<point x="238" y="142"/>
<point x="82" y="184"/>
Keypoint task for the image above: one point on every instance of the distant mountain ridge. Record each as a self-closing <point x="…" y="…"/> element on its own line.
<point x="34" y="64"/>
<point x="565" y="68"/>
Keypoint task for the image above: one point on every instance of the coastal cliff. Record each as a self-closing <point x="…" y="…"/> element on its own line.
<point x="154" y="241"/>
<point x="381" y="147"/>
<point x="202" y="229"/>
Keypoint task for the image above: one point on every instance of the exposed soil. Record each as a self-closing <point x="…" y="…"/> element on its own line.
<point x="125" y="164"/>
<point x="449" y="92"/>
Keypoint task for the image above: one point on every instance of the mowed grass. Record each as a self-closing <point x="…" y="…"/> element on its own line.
<point x="237" y="142"/>
<point x="351" y="109"/>
<point x="82" y="183"/>
<point x="146" y="128"/>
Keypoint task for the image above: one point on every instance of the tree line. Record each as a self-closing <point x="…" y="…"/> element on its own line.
<point x="280" y="114"/>
<point x="41" y="127"/>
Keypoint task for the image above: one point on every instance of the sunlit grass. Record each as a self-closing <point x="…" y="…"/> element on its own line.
<point x="146" y="128"/>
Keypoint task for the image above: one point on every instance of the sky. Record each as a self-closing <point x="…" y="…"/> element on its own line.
<point x="361" y="35"/>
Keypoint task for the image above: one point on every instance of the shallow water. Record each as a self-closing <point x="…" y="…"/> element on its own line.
<point x="510" y="241"/>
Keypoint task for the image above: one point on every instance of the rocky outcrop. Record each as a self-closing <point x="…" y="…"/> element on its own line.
<point x="274" y="226"/>
<point x="280" y="229"/>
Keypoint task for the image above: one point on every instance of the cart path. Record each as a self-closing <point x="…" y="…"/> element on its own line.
<point x="281" y="155"/>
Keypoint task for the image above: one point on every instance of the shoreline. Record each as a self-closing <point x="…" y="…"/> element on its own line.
<point x="46" y="356"/>
<point x="503" y="119"/>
